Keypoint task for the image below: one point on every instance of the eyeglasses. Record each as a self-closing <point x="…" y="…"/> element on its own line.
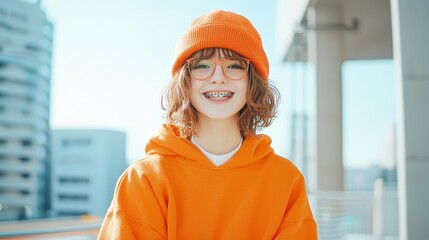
<point x="203" y="68"/>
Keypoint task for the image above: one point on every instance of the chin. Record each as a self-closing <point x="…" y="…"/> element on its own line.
<point x="221" y="115"/>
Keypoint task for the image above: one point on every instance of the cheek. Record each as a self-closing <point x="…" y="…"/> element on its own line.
<point x="243" y="88"/>
<point x="195" y="85"/>
<point x="195" y="89"/>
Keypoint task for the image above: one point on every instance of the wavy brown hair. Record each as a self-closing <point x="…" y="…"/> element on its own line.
<point x="258" y="112"/>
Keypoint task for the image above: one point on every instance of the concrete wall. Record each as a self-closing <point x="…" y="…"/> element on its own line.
<point x="411" y="57"/>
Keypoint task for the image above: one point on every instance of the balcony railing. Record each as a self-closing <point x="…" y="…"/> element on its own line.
<point x="356" y="215"/>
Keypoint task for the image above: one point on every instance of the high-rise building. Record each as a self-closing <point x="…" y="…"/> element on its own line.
<point x="85" y="167"/>
<point x="25" y="79"/>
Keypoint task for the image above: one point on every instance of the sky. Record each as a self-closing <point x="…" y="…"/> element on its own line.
<point x="369" y="113"/>
<point x="112" y="59"/>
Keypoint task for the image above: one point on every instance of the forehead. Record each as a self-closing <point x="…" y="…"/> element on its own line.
<point x="215" y="52"/>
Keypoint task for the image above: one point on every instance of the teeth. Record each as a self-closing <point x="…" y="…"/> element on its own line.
<point x="218" y="95"/>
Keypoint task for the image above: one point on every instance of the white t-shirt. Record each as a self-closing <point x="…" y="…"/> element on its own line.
<point x="217" y="159"/>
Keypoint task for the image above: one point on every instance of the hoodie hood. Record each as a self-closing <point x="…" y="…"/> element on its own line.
<point x="168" y="143"/>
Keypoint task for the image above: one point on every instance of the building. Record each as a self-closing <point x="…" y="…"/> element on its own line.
<point x="85" y="167"/>
<point x="323" y="34"/>
<point x="25" y="79"/>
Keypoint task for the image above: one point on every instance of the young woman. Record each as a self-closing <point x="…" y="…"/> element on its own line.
<point x="207" y="174"/>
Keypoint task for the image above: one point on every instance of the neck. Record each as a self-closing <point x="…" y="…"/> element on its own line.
<point x="218" y="136"/>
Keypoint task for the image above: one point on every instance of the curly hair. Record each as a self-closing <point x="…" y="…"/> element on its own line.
<point x="258" y="112"/>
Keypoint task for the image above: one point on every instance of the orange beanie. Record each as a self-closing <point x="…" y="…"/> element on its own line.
<point x="222" y="29"/>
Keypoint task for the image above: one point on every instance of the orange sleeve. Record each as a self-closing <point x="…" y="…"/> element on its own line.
<point x="135" y="212"/>
<point x="298" y="222"/>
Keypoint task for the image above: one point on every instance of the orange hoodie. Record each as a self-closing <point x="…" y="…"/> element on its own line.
<point x="175" y="192"/>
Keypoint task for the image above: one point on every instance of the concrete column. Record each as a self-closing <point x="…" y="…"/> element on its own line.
<point x="326" y="52"/>
<point x="411" y="51"/>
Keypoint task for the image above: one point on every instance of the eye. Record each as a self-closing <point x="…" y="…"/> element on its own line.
<point x="236" y="64"/>
<point x="203" y="64"/>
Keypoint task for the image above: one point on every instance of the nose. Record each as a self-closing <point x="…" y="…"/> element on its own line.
<point x="218" y="75"/>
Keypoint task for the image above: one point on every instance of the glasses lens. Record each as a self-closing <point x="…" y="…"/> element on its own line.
<point x="201" y="68"/>
<point x="235" y="68"/>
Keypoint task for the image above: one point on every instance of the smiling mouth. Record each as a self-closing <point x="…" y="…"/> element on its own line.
<point x="218" y="95"/>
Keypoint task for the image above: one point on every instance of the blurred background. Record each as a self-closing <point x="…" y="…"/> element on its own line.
<point x="80" y="87"/>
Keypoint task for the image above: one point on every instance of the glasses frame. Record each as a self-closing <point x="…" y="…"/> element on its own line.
<point x="222" y="61"/>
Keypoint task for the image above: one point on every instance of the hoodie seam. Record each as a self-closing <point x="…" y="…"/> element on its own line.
<point x="214" y="168"/>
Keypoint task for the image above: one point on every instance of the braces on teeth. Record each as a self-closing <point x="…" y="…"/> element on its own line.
<point x="218" y="94"/>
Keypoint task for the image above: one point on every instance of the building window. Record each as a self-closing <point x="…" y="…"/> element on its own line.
<point x="73" y="180"/>
<point x="77" y="142"/>
<point x="24" y="192"/>
<point x="73" y="197"/>
<point x="24" y="159"/>
<point x="71" y="213"/>
<point x="31" y="47"/>
<point x="26" y="142"/>
<point x="5" y="26"/>
<point x="25" y="175"/>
